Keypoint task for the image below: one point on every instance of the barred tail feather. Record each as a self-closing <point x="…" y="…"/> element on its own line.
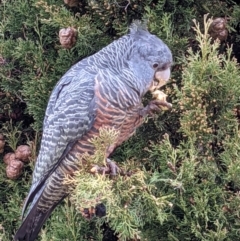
<point x="33" y="223"/>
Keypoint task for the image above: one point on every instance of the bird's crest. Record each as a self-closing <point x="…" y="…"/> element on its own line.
<point x="137" y="25"/>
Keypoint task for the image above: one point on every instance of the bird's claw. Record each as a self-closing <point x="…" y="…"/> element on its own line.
<point x="155" y="106"/>
<point x="111" y="168"/>
<point x="114" y="169"/>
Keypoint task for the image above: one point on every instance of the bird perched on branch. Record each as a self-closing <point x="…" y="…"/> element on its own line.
<point x="103" y="90"/>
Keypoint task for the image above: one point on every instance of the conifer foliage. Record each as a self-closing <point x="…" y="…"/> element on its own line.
<point x="182" y="175"/>
<point x="199" y="171"/>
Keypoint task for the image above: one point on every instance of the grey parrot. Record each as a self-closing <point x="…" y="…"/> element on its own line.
<point x="102" y="90"/>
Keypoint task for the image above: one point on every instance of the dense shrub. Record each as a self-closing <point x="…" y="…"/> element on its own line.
<point x="186" y="160"/>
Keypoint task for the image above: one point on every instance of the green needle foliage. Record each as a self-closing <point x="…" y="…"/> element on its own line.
<point x="184" y="163"/>
<point x="200" y="168"/>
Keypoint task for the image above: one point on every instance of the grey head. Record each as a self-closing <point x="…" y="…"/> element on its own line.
<point x="150" y="58"/>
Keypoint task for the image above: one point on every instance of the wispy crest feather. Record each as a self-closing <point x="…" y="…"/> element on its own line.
<point x="137" y="25"/>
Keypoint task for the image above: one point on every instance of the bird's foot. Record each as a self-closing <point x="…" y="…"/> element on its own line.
<point x="111" y="168"/>
<point x="114" y="169"/>
<point x="155" y="106"/>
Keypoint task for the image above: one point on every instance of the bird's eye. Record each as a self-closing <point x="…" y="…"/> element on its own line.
<point x="155" y="65"/>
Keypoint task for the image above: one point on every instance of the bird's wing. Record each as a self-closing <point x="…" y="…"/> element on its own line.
<point x="70" y="114"/>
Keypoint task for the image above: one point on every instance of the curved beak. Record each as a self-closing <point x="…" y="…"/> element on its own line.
<point x="161" y="78"/>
